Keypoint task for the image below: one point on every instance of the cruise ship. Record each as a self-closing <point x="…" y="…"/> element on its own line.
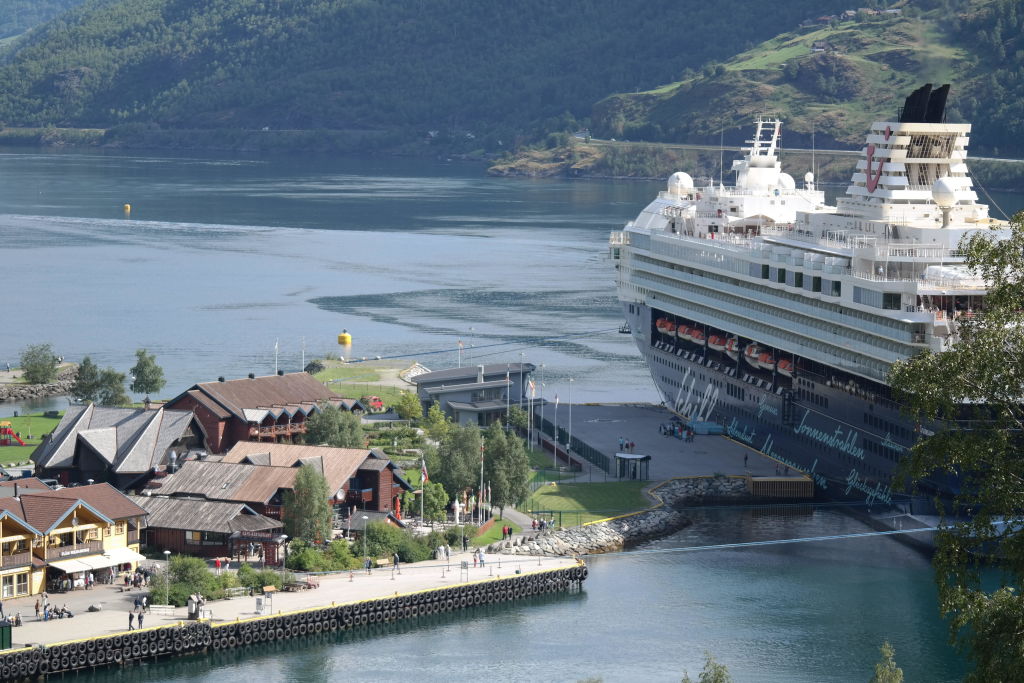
<point x="760" y="307"/>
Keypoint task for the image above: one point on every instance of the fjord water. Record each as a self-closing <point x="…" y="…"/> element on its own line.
<point x="222" y="257"/>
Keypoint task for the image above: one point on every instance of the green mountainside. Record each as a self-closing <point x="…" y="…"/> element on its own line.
<point x="468" y="69"/>
<point x="836" y="77"/>
<point x="18" y="16"/>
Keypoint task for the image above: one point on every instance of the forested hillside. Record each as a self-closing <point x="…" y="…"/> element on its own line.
<point x="837" y="74"/>
<point x="18" y="16"/>
<point x="481" y="68"/>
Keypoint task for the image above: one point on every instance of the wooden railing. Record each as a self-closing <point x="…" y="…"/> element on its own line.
<point x="66" y="552"/>
<point x="17" y="559"/>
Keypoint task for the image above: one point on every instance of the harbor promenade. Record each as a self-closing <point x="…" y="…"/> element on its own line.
<point x="334" y="589"/>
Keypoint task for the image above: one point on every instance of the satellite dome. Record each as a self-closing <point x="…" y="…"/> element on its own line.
<point x="786" y="182"/>
<point x="944" y="192"/>
<point x="679" y="182"/>
<point x="808" y="177"/>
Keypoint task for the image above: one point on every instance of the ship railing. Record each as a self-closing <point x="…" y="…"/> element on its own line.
<point x="938" y="283"/>
<point x="896" y="250"/>
<point x="618" y="238"/>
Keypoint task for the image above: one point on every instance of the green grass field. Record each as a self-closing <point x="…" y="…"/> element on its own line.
<point x="36" y="425"/>
<point x="493" y="534"/>
<point x="580" y="503"/>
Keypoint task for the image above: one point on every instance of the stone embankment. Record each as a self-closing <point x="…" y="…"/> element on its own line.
<point x="615" y="534"/>
<point x="16" y="392"/>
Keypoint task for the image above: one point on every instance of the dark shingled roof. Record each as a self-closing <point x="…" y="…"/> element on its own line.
<point x="234" y="396"/>
<point x="104" y="497"/>
<point x="203" y="515"/>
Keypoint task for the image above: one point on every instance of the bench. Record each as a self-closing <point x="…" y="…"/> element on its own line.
<point x="162" y="610"/>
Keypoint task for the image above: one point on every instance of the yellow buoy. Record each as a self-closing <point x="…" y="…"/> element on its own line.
<point x="127" y="209"/>
<point x="345" y="339"/>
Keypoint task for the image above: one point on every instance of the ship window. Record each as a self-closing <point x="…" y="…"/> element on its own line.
<point x="891" y="301"/>
<point x="837" y="288"/>
<point x="781" y="276"/>
<point x="764" y="272"/>
<point x="816" y="284"/>
<point x="798" y="279"/>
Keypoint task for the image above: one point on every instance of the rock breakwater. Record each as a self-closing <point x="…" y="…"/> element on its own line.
<point x="16" y="392"/>
<point x="615" y="534"/>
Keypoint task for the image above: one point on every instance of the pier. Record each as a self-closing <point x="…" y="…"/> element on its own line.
<point x="341" y="601"/>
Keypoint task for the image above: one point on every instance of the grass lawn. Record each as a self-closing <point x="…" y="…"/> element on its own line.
<point x="581" y="503"/>
<point x="492" y="533"/>
<point x="38" y="425"/>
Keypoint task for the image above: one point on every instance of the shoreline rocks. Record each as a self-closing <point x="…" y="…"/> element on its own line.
<point x="619" y="533"/>
<point x="17" y="392"/>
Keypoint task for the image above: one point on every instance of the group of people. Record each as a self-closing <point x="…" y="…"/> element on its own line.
<point x="443" y="552"/>
<point x="45" y="611"/>
<point x="677" y="430"/>
<point x="478" y="557"/>
<point x="136" y="579"/>
<point x="506" y="532"/>
<point x="542" y="524"/>
<point x="626" y="446"/>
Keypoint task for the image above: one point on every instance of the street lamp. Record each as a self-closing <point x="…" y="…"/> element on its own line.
<point x="284" y="542"/>
<point x="568" y="445"/>
<point x="167" y="577"/>
<point x="365" y="556"/>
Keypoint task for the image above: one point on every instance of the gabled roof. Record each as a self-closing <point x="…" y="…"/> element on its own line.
<point x="338" y="465"/>
<point x="203" y="515"/>
<point x="104" y="498"/>
<point x="24" y="485"/>
<point x="228" y="481"/>
<point x="129" y="439"/>
<point x="43" y="511"/>
<point x="7" y="514"/>
<point x="234" y="396"/>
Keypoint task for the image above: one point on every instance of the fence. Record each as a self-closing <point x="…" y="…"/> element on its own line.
<point x="584" y="450"/>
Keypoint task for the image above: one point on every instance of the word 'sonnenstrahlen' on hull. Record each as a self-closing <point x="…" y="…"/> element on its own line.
<point x="762" y="308"/>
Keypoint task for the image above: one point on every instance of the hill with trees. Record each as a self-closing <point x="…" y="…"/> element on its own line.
<point x="838" y="73"/>
<point x="484" y="73"/>
<point x="18" y="16"/>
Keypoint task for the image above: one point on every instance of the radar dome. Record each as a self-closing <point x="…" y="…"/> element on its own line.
<point x="944" y="192"/>
<point x="786" y="182"/>
<point x="679" y="182"/>
<point x="808" y="177"/>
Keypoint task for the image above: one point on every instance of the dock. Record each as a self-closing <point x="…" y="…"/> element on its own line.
<point x="340" y="601"/>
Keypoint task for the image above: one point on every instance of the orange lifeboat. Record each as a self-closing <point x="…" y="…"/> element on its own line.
<point x="785" y="367"/>
<point x="716" y="343"/>
<point x="751" y="354"/>
<point x="766" y="361"/>
<point x="660" y="324"/>
<point x="732" y="348"/>
<point x="684" y="332"/>
<point x="697" y="337"/>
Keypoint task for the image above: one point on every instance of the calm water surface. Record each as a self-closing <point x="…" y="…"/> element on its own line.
<point x="222" y="257"/>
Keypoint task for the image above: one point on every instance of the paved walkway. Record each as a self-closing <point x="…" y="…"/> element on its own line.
<point x="335" y="588"/>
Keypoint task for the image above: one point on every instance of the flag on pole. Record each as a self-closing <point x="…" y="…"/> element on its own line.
<point x="423" y="471"/>
<point x="460" y="344"/>
<point x="533" y="389"/>
<point x="556" y="400"/>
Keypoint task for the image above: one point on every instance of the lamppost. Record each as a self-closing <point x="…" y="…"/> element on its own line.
<point x="365" y="556"/>
<point x="284" y="542"/>
<point x="167" y="577"/>
<point x="522" y="362"/>
<point x="568" y="445"/>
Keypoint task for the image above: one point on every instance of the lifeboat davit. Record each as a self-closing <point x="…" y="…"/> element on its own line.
<point x="696" y="336"/>
<point x="716" y="343"/>
<point x="684" y="332"/>
<point x="751" y="353"/>
<point x="766" y="361"/>
<point x="732" y="348"/>
<point x="785" y="367"/>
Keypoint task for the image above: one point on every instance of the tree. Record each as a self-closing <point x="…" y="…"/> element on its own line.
<point x="981" y="379"/>
<point x="436" y="423"/>
<point x="518" y="418"/>
<point x="506" y="467"/>
<point x="38" y="364"/>
<point x="331" y="426"/>
<point x="148" y="377"/>
<point x="435" y="504"/>
<point x="110" y="391"/>
<point x="307" y="515"/>
<point x="458" y="459"/>
<point x="713" y="672"/>
<point x="886" y="670"/>
<point x="408" y="406"/>
<point x="87" y="381"/>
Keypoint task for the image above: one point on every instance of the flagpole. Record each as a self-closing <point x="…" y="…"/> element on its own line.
<point x="508" y="405"/>
<point x="479" y="498"/>
<point x="276" y="343"/>
<point x="423" y="487"/>
<point x="554" y="451"/>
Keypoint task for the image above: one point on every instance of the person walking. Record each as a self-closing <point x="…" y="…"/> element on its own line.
<point x="39" y="610"/>
<point x="141" y="614"/>
<point x="131" y="621"/>
<point x="145" y="603"/>
<point x="474" y="560"/>
<point x="745" y="456"/>
<point x="465" y="542"/>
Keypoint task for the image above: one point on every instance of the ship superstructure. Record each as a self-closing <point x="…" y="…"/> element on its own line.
<point x="760" y="307"/>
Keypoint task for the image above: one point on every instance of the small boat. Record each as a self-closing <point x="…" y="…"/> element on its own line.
<point x="660" y="324"/>
<point x="766" y="361"/>
<point x="716" y="343"/>
<point x="785" y="367"/>
<point x="625" y="329"/>
<point x="751" y="353"/>
<point x="696" y="336"/>
<point x="670" y="329"/>
<point x="732" y="348"/>
<point x="683" y="332"/>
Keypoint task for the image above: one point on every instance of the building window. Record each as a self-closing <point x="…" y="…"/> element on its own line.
<point x="15" y="585"/>
<point x="119" y="528"/>
<point x="205" y="538"/>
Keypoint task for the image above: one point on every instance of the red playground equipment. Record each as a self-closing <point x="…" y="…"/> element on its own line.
<point x="7" y="435"/>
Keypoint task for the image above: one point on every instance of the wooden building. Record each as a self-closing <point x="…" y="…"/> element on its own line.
<point x="267" y="409"/>
<point x="211" y="529"/>
<point x="53" y="540"/>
